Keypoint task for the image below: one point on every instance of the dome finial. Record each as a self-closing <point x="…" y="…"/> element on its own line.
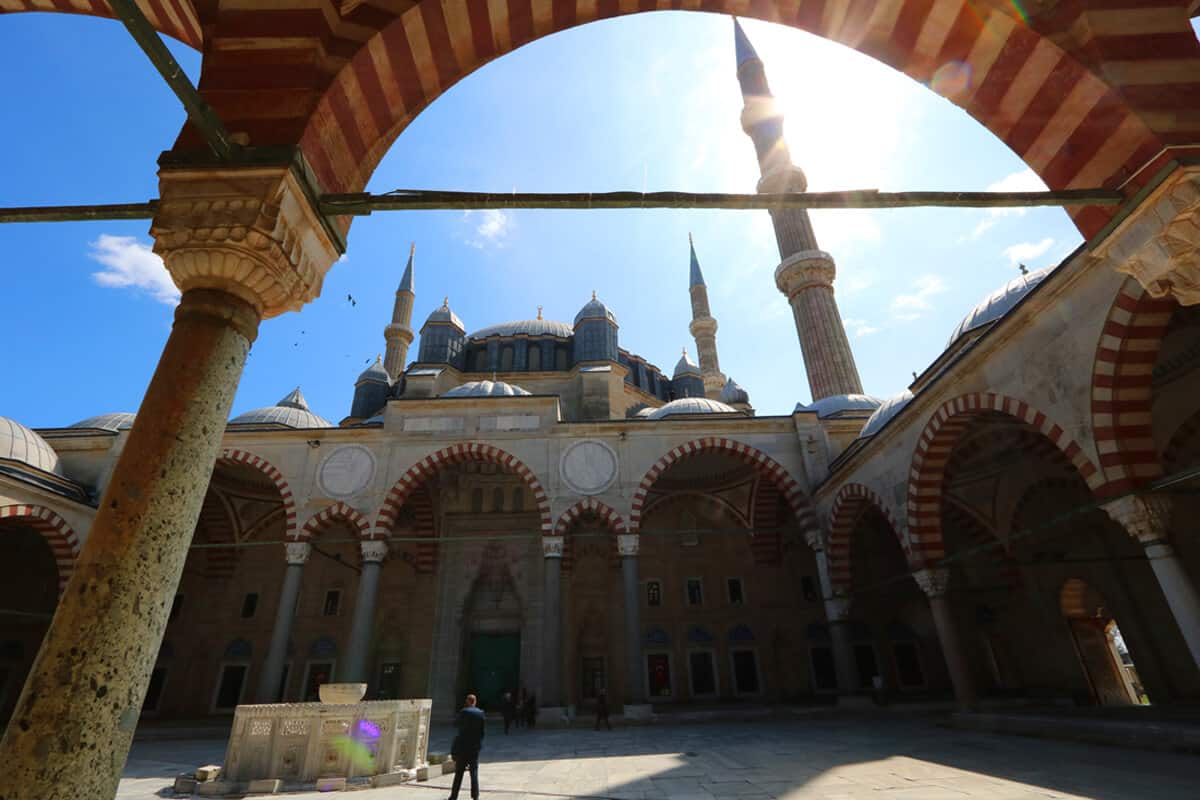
<point x="446" y="301"/>
<point x="593" y="294"/>
<point x="1023" y="268"/>
<point x="539" y="312"/>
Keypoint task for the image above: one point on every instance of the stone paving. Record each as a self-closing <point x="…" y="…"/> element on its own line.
<point x="883" y="758"/>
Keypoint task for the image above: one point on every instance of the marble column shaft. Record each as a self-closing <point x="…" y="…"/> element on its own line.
<point x="634" y="685"/>
<point x="934" y="582"/>
<point x="837" y="612"/>
<point x="272" y="670"/>
<point x="552" y="657"/>
<point x="354" y="667"/>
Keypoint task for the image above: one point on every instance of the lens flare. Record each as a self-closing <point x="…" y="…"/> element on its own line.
<point x="360" y="746"/>
<point x="951" y="79"/>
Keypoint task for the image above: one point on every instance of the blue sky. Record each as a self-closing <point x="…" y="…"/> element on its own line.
<point x="643" y="102"/>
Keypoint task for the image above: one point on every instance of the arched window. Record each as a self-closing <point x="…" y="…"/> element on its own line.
<point x="518" y="499"/>
<point x="535" y="357"/>
<point x="497" y="499"/>
<point x="506" y="359"/>
<point x="481" y="360"/>
<point x="560" y="358"/>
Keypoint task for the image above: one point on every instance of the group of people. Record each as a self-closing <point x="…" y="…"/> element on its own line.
<point x="521" y="709"/>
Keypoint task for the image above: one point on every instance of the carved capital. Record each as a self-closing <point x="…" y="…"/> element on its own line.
<point x="805" y="270"/>
<point x="374" y="552"/>
<point x="627" y="544"/>
<point x="786" y="178"/>
<point x="934" y="582"/>
<point x="297" y="552"/>
<point x="248" y="231"/>
<point x="1144" y="517"/>
<point x="552" y="547"/>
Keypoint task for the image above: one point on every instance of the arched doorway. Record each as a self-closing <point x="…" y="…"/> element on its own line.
<point x="28" y="597"/>
<point x="1100" y="646"/>
<point x="593" y="652"/>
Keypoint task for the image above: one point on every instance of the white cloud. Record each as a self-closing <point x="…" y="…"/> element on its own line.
<point x="493" y="228"/>
<point x="129" y="264"/>
<point x="859" y="328"/>
<point x="908" y="307"/>
<point x="1027" y="251"/>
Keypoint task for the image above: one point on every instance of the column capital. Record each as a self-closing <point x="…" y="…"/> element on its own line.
<point x="253" y="232"/>
<point x="804" y="270"/>
<point x="934" y="581"/>
<point x="374" y="552"/>
<point x="1144" y="517"/>
<point x="628" y="544"/>
<point x="552" y="547"/>
<point x="297" y="552"/>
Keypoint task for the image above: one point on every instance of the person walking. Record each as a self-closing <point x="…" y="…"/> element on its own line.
<point x="509" y="709"/>
<point x="466" y="746"/>
<point x="602" y="710"/>
<point x="531" y="711"/>
<point x="519" y="708"/>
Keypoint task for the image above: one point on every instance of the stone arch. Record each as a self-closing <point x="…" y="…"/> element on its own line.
<point x="1122" y="391"/>
<point x="231" y="456"/>
<point x="613" y="521"/>
<point x="61" y="537"/>
<point x="175" y="18"/>
<point x="747" y="454"/>
<point x="1052" y="107"/>
<point x="337" y="511"/>
<point x="457" y="454"/>
<point x="1182" y="442"/>
<point x="933" y="450"/>
<point x="848" y="505"/>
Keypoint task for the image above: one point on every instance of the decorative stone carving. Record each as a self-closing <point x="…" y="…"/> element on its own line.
<point x="297" y="552"/>
<point x="804" y="270"/>
<point x="1144" y="517"/>
<point x="588" y="467"/>
<point x="374" y="551"/>
<point x="552" y="546"/>
<point x="627" y="544"/>
<point x="347" y="470"/>
<point x="249" y="231"/>
<point x="934" y="582"/>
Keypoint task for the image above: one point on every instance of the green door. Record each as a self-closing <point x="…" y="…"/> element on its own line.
<point x="495" y="667"/>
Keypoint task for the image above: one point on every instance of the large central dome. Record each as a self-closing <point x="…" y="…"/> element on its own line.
<point x="526" y="327"/>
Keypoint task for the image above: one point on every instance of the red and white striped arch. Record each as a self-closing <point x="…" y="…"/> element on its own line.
<point x="231" y="456"/>
<point x="175" y="18"/>
<point x="611" y="520"/>
<point x="747" y="454"/>
<point x="337" y="512"/>
<point x="1122" y="390"/>
<point x="935" y="446"/>
<point x="429" y="466"/>
<point x="848" y="506"/>
<point x="64" y="544"/>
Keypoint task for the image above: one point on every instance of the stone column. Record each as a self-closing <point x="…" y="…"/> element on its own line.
<point x="552" y="553"/>
<point x="241" y="244"/>
<point x="935" y="582"/>
<point x="1146" y="518"/>
<point x="272" y="671"/>
<point x="354" y="667"/>
<point x="837" y="613"/>
<point x="635" y="692"/>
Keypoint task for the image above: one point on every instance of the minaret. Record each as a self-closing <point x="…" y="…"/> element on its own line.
<point x="805" y="273"/>
<point x="399" y="334"/>
<point x="704" y="330"/>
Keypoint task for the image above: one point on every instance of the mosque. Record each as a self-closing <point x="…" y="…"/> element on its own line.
<point x="533" y="505"/>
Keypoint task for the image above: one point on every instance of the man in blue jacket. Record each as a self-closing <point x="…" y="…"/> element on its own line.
<point x="466" y="746"/>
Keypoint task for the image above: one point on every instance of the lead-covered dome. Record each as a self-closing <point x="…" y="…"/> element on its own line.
<point x="486" y="389"/>
<point x="18" y="443"/>
<point x="444" y="315"/>
<point x="526" y="327"/>
<point x="841" y="403"/>
<point x="998" y="303"/>
<point x="595" y="309"/>
<point x="691" y="405"/>
<point x="887" y="409"/>
<point x="734" y="393"/>
<point x="290" y="412"/>
<point x="117" y="421"/>
<point x="376" y="373"/>
<point x="685" y="366"/>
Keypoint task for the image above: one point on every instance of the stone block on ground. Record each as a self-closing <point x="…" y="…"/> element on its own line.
<point x="448" y="766"/>
<point x="218" y="788"/>
<point x="185" y="783"/>
<point x="208" y="772"/>
<point x="391" y="779"/>
<point x="422" y="773"/>
<point x="331" y="784"/>
<point x="264" y="786"/>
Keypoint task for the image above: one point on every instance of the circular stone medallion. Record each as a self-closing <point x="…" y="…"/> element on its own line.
<point x="347" y="470"/>
<point x="588" y="467"/>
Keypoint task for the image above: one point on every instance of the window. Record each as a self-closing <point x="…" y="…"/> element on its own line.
<point x="506" y="359"/>
<point x="695" y="592"/>
<point x="736" y="596"/>
<point x="518" y="499"/>
<point x="333" y="599"/>
<point x="653" y="593"/>
<point x="176" y="607"/>
<point x="229" y="688"/>
<point x="481" y="360"/>
<point x="745" y="672"/>
<point x="560" y="358"/>
<point x="658" y="674"/>
<point x="477" y="500"/>
<point x="249" y="605"/>
<point x="703" y="673"/>
<point x="535" y="357"/>
<point x="497" y="499"/>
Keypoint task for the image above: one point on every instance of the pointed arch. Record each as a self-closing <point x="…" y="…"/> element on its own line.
<point x="933" y="450"/>
<point x="613" y="521"/>
<point x="336" y="511"/>
<point x="245" y="458"/>
<point x="429" y="466"/>
<point x="61" y="537"/>
<point x="1122" y="387"/>
<point x="175" y="18"/>
<point x="747" y="454"/>
<point x="848" y="505"/>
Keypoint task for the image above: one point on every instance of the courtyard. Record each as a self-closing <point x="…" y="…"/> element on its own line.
<point x="850" y="758"/>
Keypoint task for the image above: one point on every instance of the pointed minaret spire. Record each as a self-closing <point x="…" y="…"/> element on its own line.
<point x="704" y="329"/>
<point x="805" y="273"/>
<point x="399" y="333"/>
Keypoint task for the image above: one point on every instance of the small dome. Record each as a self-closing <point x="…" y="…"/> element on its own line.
<point x="998" y="303"/>
<point x="692" y="405"/>
<point x="841" y="403"/>
<point x="19" y="443"/>
<point x="118" y="421"/>
<point x="595" y="310"/>
<point x="734" y="393"/>
<point x="644" y="413"/>
<point x="888" y="409"/>
<point x="375" y="373"/>
<point x="444" y="314"/>
<point x="527" y="327"/>
<point x="486" y="389"/>
<point x="685" y="366"/>
<point x="290" y="412"/>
